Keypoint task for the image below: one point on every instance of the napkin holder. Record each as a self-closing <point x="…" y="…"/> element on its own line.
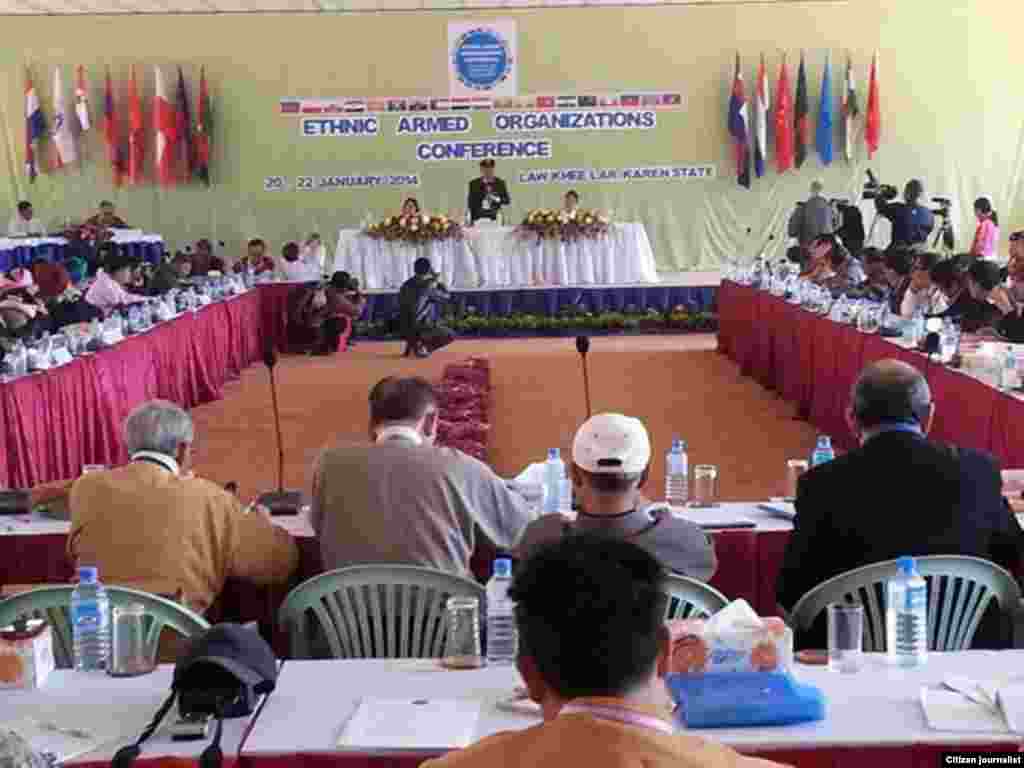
<point x="734" y="640"/>
<point x="738" y="699"/>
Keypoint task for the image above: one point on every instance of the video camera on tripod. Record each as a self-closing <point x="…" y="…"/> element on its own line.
<point x="874" y="190"/>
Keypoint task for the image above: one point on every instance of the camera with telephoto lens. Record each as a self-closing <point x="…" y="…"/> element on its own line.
<point x="873" y="189"/>
<point x="945" y="206"/>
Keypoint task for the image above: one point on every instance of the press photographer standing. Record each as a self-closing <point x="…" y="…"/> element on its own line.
<point x="911" y="221"/>
<point x="813" y="218"/>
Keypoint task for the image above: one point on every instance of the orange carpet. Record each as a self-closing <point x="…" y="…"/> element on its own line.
<point x="675" y="384"/>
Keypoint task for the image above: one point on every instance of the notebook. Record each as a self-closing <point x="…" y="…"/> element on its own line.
<point x="422" y="725"/>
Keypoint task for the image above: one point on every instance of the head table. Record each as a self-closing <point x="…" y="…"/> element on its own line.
<point x="22" y="251"/>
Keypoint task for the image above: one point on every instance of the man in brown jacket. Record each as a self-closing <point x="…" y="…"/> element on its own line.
<point x="151" y="522"/>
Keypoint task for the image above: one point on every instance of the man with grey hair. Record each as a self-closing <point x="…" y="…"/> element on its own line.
<point x="813" y="218"/>
<point x="151" y="522"/>
<point x="897" y="494"/>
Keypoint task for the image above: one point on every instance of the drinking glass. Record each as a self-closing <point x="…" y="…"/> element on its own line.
<point x="705" y="485"/>
<point x="128" y="654"/>
<point x="462" y="649"/>
<point x="794" y="469"/>
<point x="845" y="636"/>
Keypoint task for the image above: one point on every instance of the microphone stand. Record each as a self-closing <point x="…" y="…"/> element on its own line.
<point x="583" y="346"/>
<point x="281" y="501"/>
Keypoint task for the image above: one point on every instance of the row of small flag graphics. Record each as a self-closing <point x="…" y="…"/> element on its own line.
<point x="181" y="147"/>
<point x="651" y="100"/>
<point x="791" y="119"/>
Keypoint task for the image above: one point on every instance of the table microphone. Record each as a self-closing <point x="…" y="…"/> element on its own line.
<point x="583" y="346"/>
<point x="281" y="501"/>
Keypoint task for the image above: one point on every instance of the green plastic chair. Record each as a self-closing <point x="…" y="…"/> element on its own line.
<point x="374" y="611"/>
<point x="53" y="603"/>
<point x="689" y="598"/>
<point x="959" y="592"/>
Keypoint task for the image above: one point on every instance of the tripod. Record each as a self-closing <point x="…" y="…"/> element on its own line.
<point x="945" y="234"/>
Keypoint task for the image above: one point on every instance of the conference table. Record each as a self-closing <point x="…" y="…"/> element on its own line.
<point x="22" y="251"/>
<point x="496" y="256"/>
<point x="813" y="362"/>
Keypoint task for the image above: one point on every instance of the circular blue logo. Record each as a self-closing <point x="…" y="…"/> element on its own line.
<point x="482" y="59"/>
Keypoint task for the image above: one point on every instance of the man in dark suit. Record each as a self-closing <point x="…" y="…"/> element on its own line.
<point x="898" y="494"/>
<point x="487" y="194"/>
<point x="418" y="299"/>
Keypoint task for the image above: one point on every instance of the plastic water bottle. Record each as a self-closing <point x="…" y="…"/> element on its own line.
<point x="554" y="472"/>
<point x="822" y="451"/>
<point x="677" y="474"/>
<point x="906" y="616"/>
<point x="1009" y="376"/>
<point x="502" y="635"/>
<point x="90" y="622"/>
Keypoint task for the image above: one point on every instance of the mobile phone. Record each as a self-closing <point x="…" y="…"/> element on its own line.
<point x="191" y="727"/>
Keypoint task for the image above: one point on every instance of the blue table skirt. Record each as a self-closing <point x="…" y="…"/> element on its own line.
<point x="547" y="302"/>
<point x="25" y="255"/>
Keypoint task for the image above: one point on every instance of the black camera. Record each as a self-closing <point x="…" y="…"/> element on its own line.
<point x="874" y="190"/>
<point x="945" y="206"/>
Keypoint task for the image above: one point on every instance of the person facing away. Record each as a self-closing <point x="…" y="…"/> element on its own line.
<point x="110" y="289"/>
<point x="922" y="294"/>
<point x="418" y="302"/>
<point x="398" y="498"/>
<point x="897" y="494"/>
<point x="594" y="652"/>
<point x="812" y="218"/>
<point x="986" y="236"/>
<point x="898" y="264"/>
<point x="24" y="223"/>
<point x="611" y="457"/>
<point x="911" y="221"/>
<point x="152" y="521"/>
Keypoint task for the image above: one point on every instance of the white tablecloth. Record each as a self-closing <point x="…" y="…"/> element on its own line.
<point x="10" y="243"/>
<point x="496" y="257"/>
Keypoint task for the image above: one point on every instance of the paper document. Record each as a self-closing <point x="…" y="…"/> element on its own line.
<point x="713" y="517"/>
<point x="57" y="742"/>
<point x="426" y="725"/>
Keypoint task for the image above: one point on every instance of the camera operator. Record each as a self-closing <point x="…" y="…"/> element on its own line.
<point x="851" y="227"/>
<point x="418" y="299"/>
<point x="344" y="299"/>
<point x="812" y="218"/>
<point x="911" y="221"/>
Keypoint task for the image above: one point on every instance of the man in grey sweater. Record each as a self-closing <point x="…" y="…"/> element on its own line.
<point x="399" y="499"/>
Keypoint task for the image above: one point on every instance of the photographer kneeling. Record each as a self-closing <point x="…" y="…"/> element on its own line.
<point x="418" y="300"/>
<point x="911" y="221"/>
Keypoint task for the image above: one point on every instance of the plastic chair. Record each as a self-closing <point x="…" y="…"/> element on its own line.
<point x="959" y="592"/>
<point x="689" y="598"/>
<point x="374" y="611"/>
<point x="54" y="605"/>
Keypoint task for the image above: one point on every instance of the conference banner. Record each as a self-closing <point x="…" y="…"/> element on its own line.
<point x="482" y="58"/>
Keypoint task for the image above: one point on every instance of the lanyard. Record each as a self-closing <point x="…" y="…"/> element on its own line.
<point x="619" y="715"/>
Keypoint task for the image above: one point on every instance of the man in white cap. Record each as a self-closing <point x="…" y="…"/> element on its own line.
<point x="611" y="458"/>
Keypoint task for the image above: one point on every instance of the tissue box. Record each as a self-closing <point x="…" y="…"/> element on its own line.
<point x="700" y="646"/>
<point x="26" y="655"/>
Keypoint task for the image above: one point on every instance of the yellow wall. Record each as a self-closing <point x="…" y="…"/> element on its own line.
<point x="949" y="94"/>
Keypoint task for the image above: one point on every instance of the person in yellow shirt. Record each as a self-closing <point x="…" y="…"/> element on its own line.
<point x="593" y="651"/>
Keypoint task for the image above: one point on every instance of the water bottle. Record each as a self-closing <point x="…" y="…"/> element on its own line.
<point x="502" y="635"/>
<point x="677" y="474"/>
<point x="90" y="622"/>
<point x="554" y="472"/>
<point x="1009" y="376"/>
<point x="906" y="616"/>
<point x="822" y="451"/>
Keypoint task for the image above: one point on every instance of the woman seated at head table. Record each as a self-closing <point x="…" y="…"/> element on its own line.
<point x="570" y="202"/>
<point x="411" y="207"/>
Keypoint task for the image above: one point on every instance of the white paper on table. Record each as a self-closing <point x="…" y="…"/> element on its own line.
<point x="411" y="724"/>
<point x="949" y="711"/>
<point x="60" y="744"/>
<point x="1011" y="701"/>
<point x="713" y="517"/>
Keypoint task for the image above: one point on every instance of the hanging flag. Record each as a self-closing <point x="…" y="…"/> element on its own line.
<point x="851" y="111"/>
<point x="783" y="127"/>
<point x="762" y="103"/>
<point x="165" y="130"/>
<point x="184" y="127"/>
<point x="82" y="101"/>
<point x="823" y="138"/>
<point x="35" y="126"/>
<point x="873" y="125"/>
<point x="136" y="149"/>
<point x="738" y="127"/>
<point x="63" y="140"/>
<point x="115" y="152"/>
<point x="801" y="116"/>
<point x="202" y="141"/>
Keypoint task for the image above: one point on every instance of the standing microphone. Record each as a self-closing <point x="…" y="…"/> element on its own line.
<point x="583" y="346"/>
<point x="279" y="502"/>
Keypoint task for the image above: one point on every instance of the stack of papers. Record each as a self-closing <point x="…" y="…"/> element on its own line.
<point x="976" y="706"/>
<point x="421" y="725"/>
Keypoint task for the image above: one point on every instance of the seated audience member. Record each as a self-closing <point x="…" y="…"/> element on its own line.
<point x="611" y="457"/>
<point x="64" y="307"/>
<point x="24" y="223"/>
<point x="169" y="274"/>
<point x="985" y="284"/>
<point x="398" y="498"/>
<point x="897" y="494"/>
<point x="106" y="218"/>
<point x="898" y="264"/>
<point x="875" y="283"/>
<point x="594" y="652"/>
<point x="293" y="269"/>
<point x="78" y="269"/>
<point x="204" y="261"/>
<point x="23" y="313"/>
<point x="846" y="271"/>
<point x="922" y="294"/>
<point x="109" y="290"/>
<point x="255" y="258"/>
<point x="314" y="254"/>
<point x="971" y="314"/>
<point x="151" y="520"/>
<point x="1015" y="266"/>
<point x="418" y="301"/>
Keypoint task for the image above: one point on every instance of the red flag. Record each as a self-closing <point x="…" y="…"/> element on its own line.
<point x="202" y="139"/>
<point x="135" y="145"/>
<point x="111" y="132"/>
<point x="873" y="124"/>
<point x="165" y="129"/>
<point x="783" y="124"/>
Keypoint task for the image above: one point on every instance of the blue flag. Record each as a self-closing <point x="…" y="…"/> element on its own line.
<point x="823" y="139"/>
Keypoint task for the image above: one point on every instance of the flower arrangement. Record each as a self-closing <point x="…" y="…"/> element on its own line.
<point x="415" y="229"/>
<point x="568" y="226"/>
